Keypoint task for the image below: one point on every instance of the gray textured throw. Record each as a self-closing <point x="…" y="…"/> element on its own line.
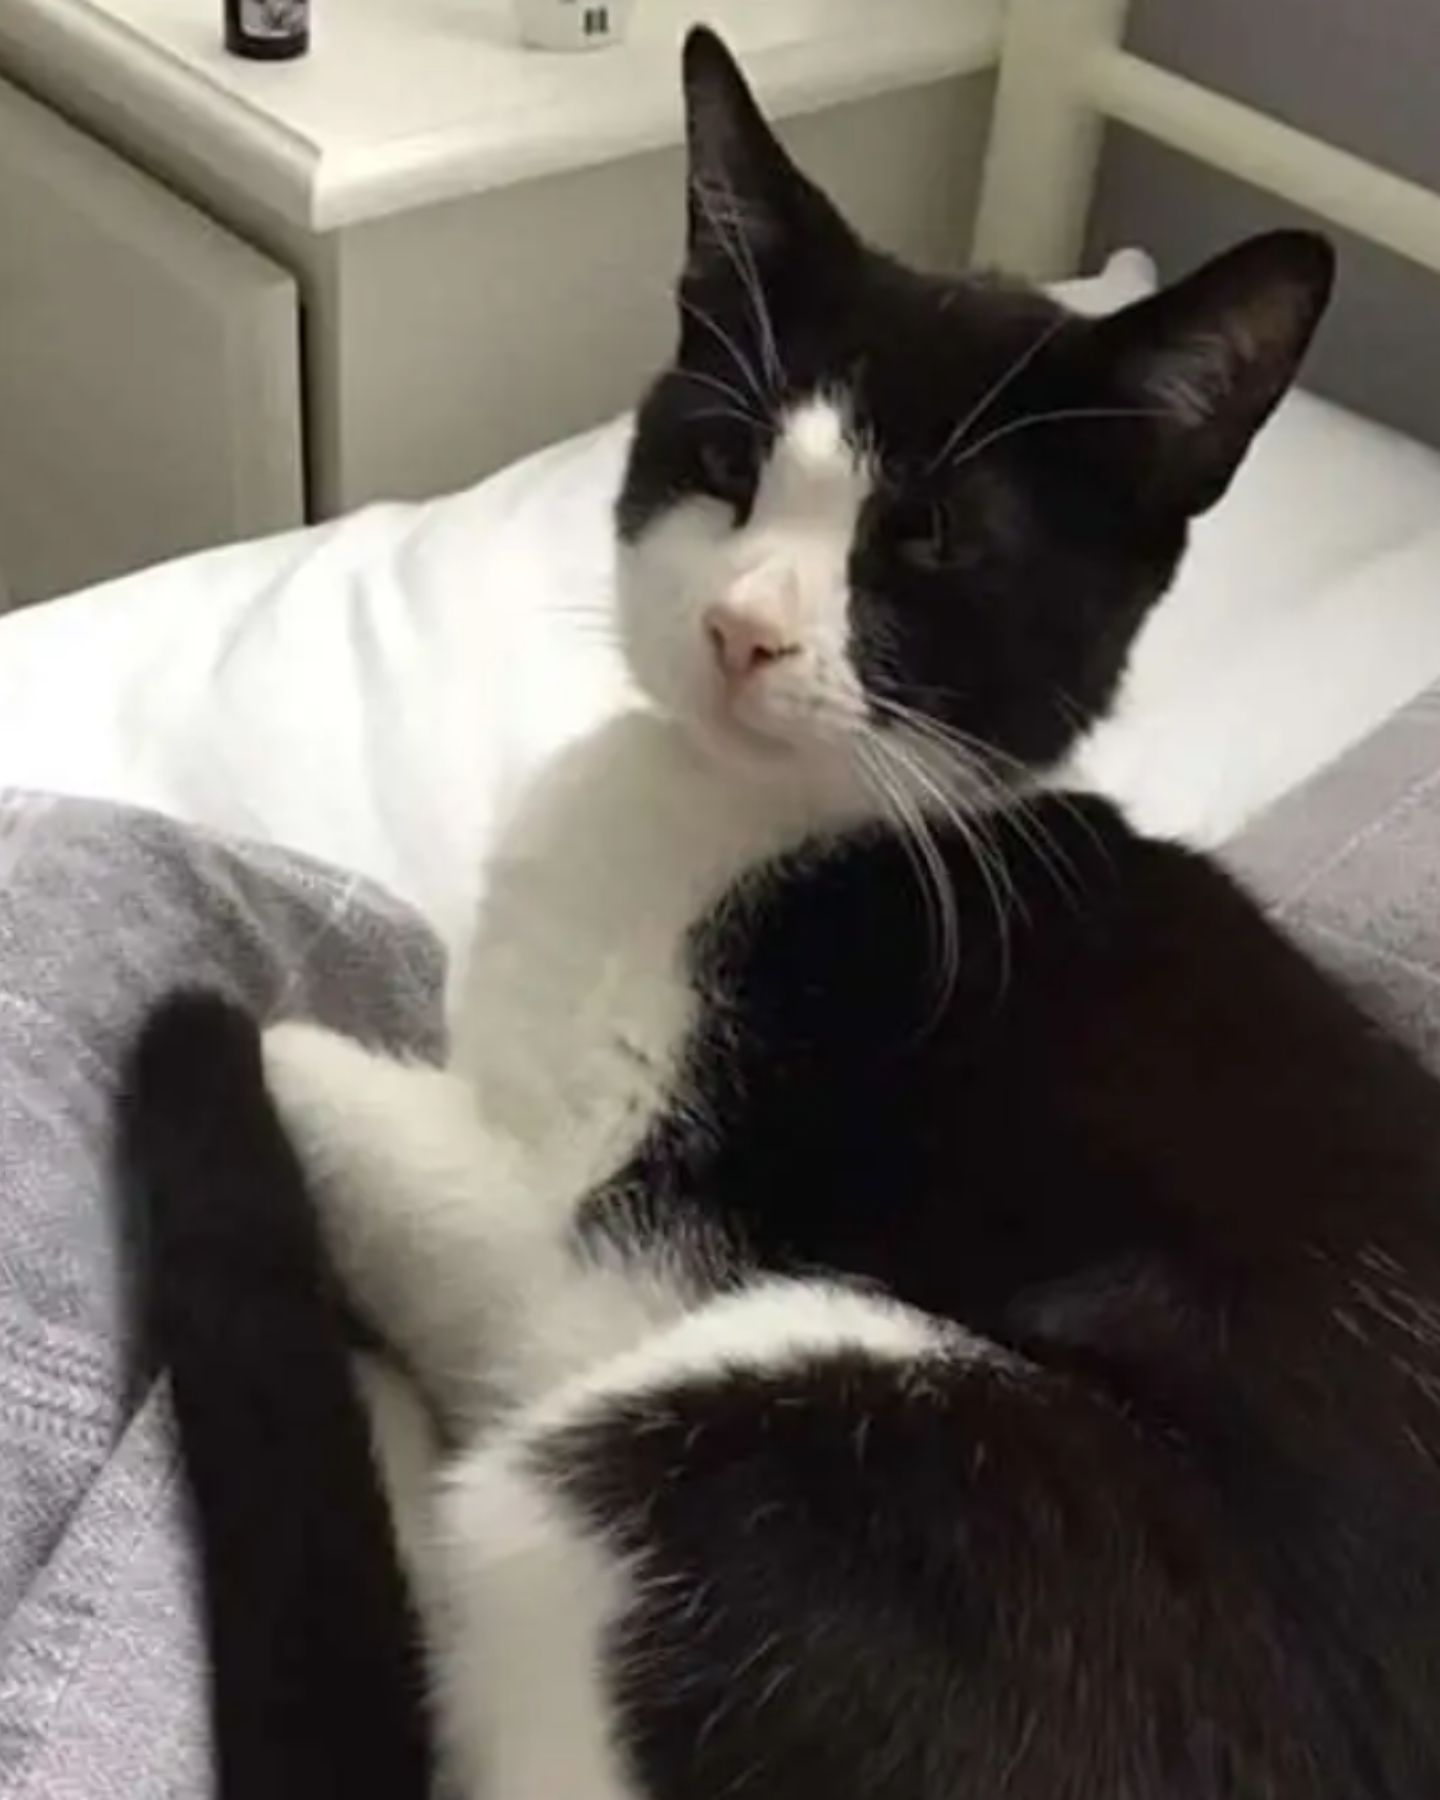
<point x="1350" y="864"/>
<point x="102" y="909"/>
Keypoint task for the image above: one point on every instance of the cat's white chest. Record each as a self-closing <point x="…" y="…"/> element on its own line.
<point x="576" y="1040"/>
<point x="578" y="1005"/>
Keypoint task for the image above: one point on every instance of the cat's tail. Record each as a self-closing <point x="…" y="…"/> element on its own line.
<point x="316" y="1687"/>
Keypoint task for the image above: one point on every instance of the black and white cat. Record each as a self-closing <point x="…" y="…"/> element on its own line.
<point x="926" y="1293"/>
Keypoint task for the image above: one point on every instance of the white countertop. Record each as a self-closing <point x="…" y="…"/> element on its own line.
<point x="405" y="102"/>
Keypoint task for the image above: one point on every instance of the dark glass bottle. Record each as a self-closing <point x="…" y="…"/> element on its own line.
<point x="267" y="30"/>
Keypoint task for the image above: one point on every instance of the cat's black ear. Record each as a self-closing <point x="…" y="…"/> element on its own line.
<point x="746" y="198"/>
<point x="1211" y="356"/>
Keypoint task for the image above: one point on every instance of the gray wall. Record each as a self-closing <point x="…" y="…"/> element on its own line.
<point x="1364" y="74"/>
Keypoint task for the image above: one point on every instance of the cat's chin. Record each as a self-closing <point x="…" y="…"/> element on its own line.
<point x="817" y="773"/>
<point x="751" y="746"/>
<point x="781" y="756"/>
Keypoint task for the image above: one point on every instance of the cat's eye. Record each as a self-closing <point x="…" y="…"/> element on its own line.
<point x="930" y="547"/>
<point x="727" y="470"/>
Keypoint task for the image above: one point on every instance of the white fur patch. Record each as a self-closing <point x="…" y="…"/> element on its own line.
<point x="526" y="1593"/>
<point x="815" y="449"/>
<point x="771" y="1326"/>
<point x="814" y="435"/>
<point x="519" y="1604"/>
<point x="786" y="566"/>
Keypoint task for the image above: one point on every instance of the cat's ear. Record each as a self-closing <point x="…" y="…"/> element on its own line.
<point x="1210" y="356"/>
<point x="747" y="200"/>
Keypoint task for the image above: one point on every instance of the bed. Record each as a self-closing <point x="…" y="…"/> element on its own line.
<point x="279" y="765"/>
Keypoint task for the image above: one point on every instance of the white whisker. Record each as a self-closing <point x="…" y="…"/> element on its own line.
<point x="982" y="406"/>
<point x="742" y="362"/>
<point x="981" y="765"/>
<point x="1063" y="415"/>
<point x="748" y="420"/>
<point x="932" y="876"/>
<point x="983" y="853"/>
<point x="727" y="390"/>
<point x="737" y="248"/>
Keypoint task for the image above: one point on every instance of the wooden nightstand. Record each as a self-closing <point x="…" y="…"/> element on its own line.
<point x="397" y="263"/>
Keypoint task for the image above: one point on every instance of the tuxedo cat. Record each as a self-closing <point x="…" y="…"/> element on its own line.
<point x="925" y="1293"/>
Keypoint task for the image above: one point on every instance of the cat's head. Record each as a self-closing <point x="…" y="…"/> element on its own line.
<point x="867" y="503"/>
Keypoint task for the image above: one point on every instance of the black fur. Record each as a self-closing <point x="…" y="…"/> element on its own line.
<point x="1187" y="1542"/>
<point x="316" y="1686"/>
<point x="928" y="1586"/>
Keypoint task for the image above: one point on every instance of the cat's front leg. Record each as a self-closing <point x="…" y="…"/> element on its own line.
<point x="424" y="1208"/>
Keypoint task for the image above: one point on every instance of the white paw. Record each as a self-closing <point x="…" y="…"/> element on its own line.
<point x="355" y="1111"/>
<point x="313" y="1075"/>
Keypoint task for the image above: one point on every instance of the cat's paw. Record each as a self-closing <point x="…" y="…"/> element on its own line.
<point x="347" y="1108"/>
<point x="342" y="1106"/>
<point x="313" y="1075"/>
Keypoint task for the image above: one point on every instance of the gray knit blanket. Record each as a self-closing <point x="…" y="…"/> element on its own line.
<point x="102" y="909"/>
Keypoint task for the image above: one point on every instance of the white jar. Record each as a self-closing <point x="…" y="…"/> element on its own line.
<point x="573" y="24"/>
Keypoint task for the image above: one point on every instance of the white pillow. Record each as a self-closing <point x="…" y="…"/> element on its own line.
<point x="1128" y="275"/>
<point x="1307" y="610"/>
<point x="367" y="691"/>
<point x="371" y="691"/>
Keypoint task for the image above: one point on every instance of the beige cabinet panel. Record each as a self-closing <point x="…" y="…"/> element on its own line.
<point x="149" y="368"/>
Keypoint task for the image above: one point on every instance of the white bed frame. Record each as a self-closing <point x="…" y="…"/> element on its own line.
<point x="1063" y="71"/>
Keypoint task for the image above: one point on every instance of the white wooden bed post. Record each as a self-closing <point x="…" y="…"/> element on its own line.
<point x="1064" y="71"/>
<point x="1045" y="138"/>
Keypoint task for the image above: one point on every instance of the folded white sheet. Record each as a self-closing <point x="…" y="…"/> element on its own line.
<point x="366" y="691"/>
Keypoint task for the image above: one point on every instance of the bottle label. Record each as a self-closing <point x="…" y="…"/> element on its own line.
<point x="273" y="18"/>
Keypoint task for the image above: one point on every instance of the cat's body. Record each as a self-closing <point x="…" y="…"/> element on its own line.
<point x="1166" y="1491"/>
<point x="969" y="1336"/>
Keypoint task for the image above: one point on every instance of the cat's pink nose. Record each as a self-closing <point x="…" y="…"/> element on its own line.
<point x="745" y="640"/>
